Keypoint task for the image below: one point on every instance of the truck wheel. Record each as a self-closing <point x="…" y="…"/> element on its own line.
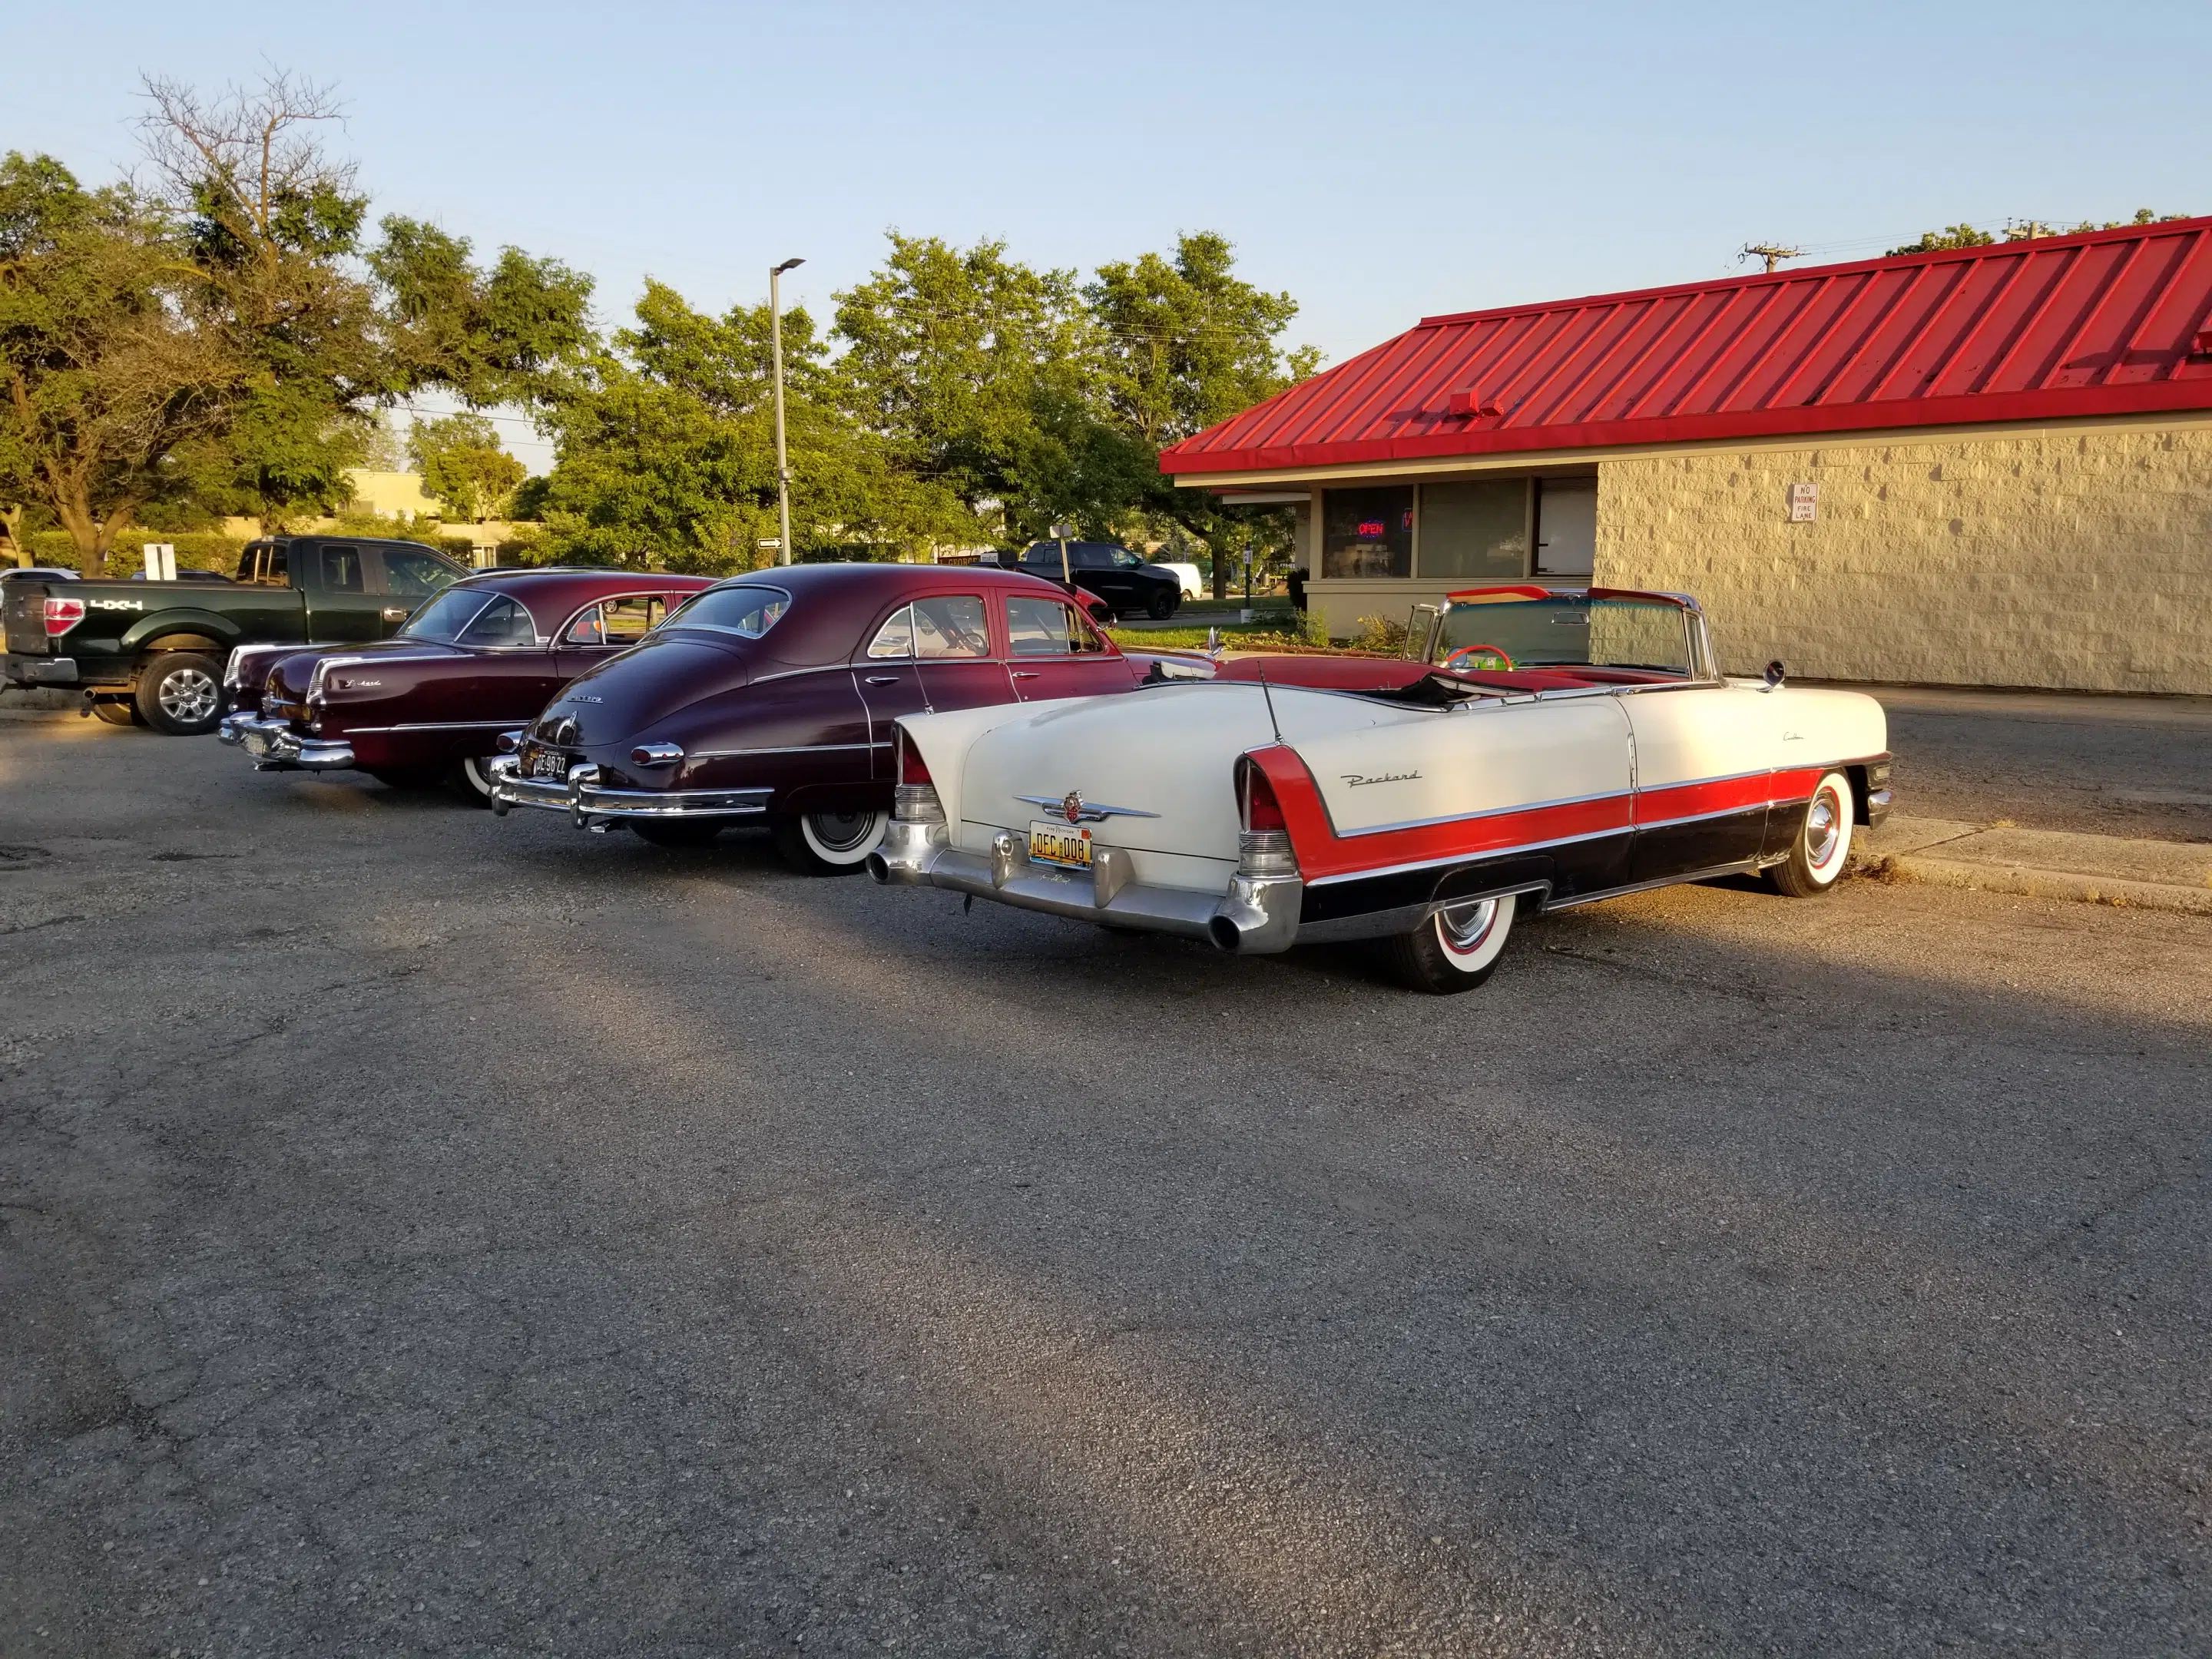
<point x="180" y="693"/>
<point x="117" y="711"/>
<point x="1162" y="604"/>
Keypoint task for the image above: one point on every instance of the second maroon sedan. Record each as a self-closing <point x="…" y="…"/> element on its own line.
<point x="477" y="659"/>
<point x="770" y="699"/>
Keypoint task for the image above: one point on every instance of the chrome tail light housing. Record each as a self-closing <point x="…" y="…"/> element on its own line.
<point x="913" y="798"/>
<point x="1263" y="841"/>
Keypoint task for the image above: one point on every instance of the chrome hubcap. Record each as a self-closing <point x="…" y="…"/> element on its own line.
<point x="1822" y="827"/>
<point x="1464" y="926"/>
<point x="187" y="695"/>
<point x="839" y="832"/>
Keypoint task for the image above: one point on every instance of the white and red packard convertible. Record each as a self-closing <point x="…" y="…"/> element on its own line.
<point x="1542" y="748"/>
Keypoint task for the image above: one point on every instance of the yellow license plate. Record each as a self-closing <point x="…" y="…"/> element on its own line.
<point x="1066" y="845"/>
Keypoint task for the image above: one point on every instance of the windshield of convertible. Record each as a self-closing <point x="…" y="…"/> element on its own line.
<point x="1509" y="631"/>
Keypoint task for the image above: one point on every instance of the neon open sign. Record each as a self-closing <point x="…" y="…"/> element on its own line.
<point x="1371" y="529"/>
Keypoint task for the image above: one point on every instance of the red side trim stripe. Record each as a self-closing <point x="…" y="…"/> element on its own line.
<point x="1691" y="800"/>
<point x="1322" y="853"/>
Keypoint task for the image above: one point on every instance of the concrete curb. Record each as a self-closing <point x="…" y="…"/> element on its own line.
<point x="2002" y="858"/>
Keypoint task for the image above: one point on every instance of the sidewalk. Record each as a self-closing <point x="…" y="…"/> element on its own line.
<point x="2002" y="858"/>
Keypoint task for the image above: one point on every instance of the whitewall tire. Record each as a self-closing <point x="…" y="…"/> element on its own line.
<point x="473" y="780"/>
<point x="1822" y="845"/>
<point x="831" y="843"/>
<point x="1457" y="948"/>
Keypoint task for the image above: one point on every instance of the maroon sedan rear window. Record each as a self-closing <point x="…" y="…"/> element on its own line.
<point x="749" y="611"/>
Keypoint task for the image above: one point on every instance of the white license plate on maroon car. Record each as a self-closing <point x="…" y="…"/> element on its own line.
<point x="1067" y="845"/>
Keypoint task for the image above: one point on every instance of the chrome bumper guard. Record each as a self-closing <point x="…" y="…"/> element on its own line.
<point x="1258" y="914"/>
<point x="276" y="747"/>
<point x="589" y="806"/>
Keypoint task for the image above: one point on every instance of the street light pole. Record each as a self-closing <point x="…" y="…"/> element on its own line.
<point x="775" y="351"/>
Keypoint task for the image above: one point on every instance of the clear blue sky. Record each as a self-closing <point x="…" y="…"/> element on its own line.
<point x="1379" y="161"/>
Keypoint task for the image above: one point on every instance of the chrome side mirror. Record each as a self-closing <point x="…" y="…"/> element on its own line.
<point x="1773" y="675"/>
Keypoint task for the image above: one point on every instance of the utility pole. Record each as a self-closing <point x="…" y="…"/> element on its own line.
<point x="775" y="352"/>
<point x="1773" y="253"/>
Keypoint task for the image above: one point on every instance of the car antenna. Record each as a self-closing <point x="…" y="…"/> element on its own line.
<point x="1261" y="670"/>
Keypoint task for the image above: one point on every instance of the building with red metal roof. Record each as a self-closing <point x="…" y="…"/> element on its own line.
<point x="1989" y="465"/>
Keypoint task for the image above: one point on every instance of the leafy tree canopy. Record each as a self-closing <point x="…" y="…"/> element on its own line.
<point x="667" y="452"/>
<point x="220" y="334"/>
<point x="464" y="465"/>
<point x="1966" y="236"/>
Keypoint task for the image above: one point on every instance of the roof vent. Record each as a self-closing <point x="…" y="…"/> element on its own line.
<point x="1471" y="405"/>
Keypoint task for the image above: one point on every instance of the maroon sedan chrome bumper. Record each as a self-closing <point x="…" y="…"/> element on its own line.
<point x="589" y="805"/>
<point x="276" y="747"/>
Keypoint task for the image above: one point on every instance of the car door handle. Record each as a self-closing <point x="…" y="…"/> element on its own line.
<point x="1024" y="673"/>
<point x="395" y="613"/>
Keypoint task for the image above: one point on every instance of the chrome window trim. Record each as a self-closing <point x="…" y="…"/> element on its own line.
<point x="462" y="640"/>
<point x="915" y="605"/>
<point x="871" y="654"/>
<point x="559" y="635"/>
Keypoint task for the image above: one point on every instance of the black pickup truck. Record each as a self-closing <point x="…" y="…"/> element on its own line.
<point x="153" y="653"/>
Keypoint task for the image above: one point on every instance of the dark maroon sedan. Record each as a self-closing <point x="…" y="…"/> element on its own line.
<point x="478" y="659"/>
<point x="770" y="698"/>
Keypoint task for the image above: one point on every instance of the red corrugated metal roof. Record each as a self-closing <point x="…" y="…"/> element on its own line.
<point x="2108" y="323"/>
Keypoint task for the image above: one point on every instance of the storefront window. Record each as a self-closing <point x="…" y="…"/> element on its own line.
<point x="1367" y="532"/>
<point x="1478" y="529"/>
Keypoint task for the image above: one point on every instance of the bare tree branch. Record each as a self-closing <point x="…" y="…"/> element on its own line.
<point x="239" y="154"/>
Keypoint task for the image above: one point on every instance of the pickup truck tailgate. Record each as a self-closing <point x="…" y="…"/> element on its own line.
<point x="27" y="619"/>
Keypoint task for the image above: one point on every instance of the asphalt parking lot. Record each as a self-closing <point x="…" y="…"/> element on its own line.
<point x="2054" y="760"/>
<point x="420" y="1232"/>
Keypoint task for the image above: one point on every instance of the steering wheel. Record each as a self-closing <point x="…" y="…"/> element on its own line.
<point x="1463" y="661"/>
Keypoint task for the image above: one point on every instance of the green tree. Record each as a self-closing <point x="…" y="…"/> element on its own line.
<point x="272" y="224"/>
<point x="114" y="362"/>
<point x="1186" y="343"/>
<point x="665" y="451"/>
<point x="514" y="333"/>
<point x="1966" y="236"/>
<point x="974" y="367"/>
<point x="220" y="340"/>
<point x="464" y="465"/>
<point x="1951" y="236"/>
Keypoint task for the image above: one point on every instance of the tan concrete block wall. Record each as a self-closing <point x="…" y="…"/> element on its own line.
<point x="1344" y="602"/>
<point x="2080" y="559"/>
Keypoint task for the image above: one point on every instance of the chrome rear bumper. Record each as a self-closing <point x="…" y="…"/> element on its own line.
<point x="587" y="805"/>
<point x="276" y="747"/>
<point x="1257" y="915"/>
